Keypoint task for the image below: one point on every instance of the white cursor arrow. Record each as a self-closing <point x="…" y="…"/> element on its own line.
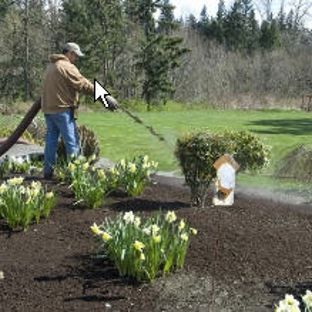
<point x="100" y="93"/>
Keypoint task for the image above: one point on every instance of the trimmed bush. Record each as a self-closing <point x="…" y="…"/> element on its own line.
<point x="197" y="153"/>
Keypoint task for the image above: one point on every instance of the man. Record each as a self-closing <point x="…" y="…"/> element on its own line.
<point x="59" y="100"/>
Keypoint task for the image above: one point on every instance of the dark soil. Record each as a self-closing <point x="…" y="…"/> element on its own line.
<point x="244" y="258"/>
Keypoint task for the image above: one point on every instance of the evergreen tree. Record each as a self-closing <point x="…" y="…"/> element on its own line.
<point x="270" y="37"/>
<point x="98" y="26"/>
<point x="234" y="32"/>
<point x="203" y="23"/>
<point x="166" y="23"/>
<point x="160" y="53"/>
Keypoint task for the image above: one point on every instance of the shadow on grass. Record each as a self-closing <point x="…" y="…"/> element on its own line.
<point x="302" y="126"/>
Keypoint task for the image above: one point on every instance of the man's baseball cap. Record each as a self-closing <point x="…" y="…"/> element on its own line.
<point x="74" y="47"/>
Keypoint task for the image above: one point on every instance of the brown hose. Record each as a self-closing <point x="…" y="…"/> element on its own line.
<point x="26" y="121"/>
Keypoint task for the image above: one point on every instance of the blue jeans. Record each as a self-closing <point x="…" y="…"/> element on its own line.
<point x="58" y="124"/>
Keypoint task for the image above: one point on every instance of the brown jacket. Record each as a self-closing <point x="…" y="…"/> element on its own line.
<point x="62" y="83"/>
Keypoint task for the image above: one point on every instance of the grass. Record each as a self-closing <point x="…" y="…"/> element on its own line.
<point x="121" y="137"/>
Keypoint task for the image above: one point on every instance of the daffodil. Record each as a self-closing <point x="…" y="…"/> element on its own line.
<point x="106" y="237"/>
<point x="85" y="166"/>
<point x="129" y="217"/>
<point x="101" y="174"/>
<point x="181" y="225"/>
<point x="123" y="163"/>
<point x="289" y="304"/>
<point x="71" y="166"/>
<point x="194" y="231"/>
<point x="142" y="256"/>
<point x="307" y="299"/>
<point x="3" y="188"/>
<point x="36" y="185"/>
<point x="137" y="221"/>
<point x="49" y="195"/>
<point x="132" y="167"/>
<point x="114" y="171"/>
<point x="138" y="245"/>
<point x="154" y="229"/>
<point x="184" y="237"/>
<point x="15" y="181"/>
<point x="147" y="231"/>
<point x="170" y="216"/>
<point x="145" y="159"/>
<point x="157" y="239"/>
<point x="95" y="229"/>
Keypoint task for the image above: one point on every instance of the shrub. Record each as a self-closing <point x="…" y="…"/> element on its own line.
<point x="197" y="153"/>
<point x="144" y="250"/>
<point x="88" y="143"/>
<point x="296" y="165"/>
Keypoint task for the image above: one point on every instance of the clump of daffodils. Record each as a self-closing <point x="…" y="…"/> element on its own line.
<point x="290" y="304"/>
<point x="133" y="175"/>
<point x="145" y="249"/>
<point x="21" y="203"/>
<point x="89" y="184"/>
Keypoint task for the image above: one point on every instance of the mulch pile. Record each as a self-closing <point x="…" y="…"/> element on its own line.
<point x="244" y="258"/>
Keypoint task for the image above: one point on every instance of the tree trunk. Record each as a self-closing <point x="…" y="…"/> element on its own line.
<point x="11" y="140"/>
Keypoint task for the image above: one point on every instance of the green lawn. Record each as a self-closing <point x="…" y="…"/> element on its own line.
<point x="121" y="137"/>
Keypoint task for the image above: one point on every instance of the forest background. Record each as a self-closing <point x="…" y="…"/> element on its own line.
<point x="139" y="50"/>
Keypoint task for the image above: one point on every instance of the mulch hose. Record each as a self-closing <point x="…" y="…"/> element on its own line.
<point x="149" y="128"/>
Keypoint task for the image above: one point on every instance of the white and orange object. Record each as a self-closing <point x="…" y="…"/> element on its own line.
<point x="226" y="167"/>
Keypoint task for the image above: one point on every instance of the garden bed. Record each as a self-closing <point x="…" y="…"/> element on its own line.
<point x="244" y="257"/>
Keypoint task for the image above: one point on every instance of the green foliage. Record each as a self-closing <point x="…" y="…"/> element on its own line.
<point x="21" y="204"/>
<point x="19" y="166"/>
<point x="197" y="153"/>
<point x="144" y="249"/>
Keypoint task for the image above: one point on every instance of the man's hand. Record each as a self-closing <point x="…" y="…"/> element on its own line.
<point x="112" y="103"/>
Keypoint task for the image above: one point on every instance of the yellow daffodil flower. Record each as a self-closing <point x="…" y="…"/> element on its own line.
<point x="138" y="245"/>
<point x="49" y="195"/>
<point x="95" y="229"/>
<point x="85" y="166"/>
<point x="3" y="188"/>
<point x="181" y="225"/>
<point x="157" y="239"/>
<point x="15" y="181"/>
<point x="193" y="231"/>
<point x="106" y="237"/>
<point x="142" y="256"/>
<point x="132" y="167"/>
